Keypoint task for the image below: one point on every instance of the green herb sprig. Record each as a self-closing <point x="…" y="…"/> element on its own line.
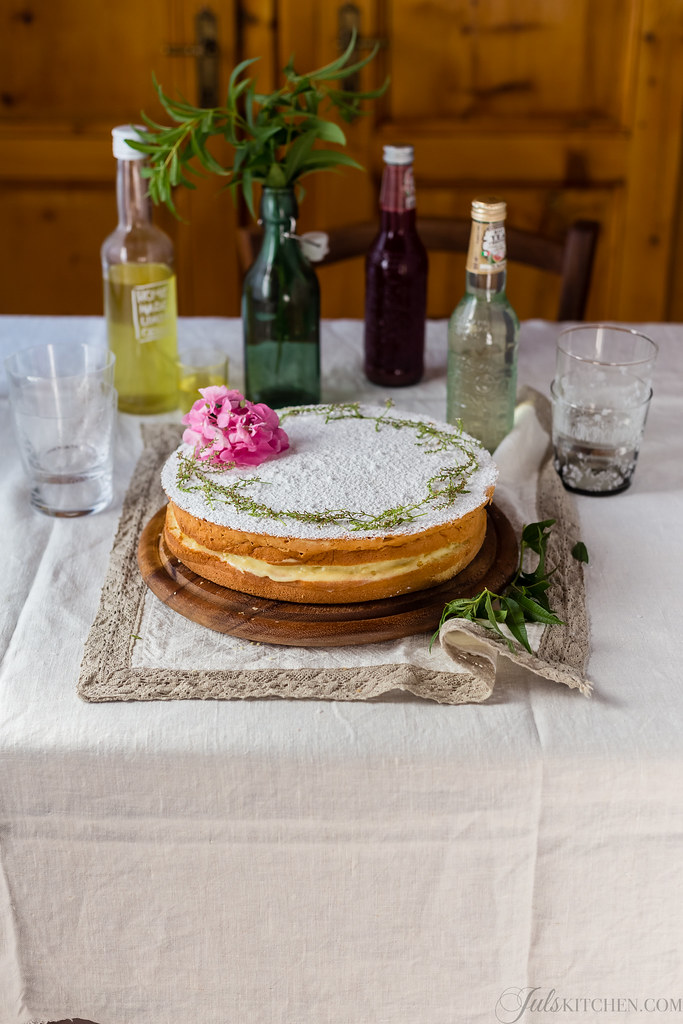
<point x="524" y="600"/>
<point x="195" y="475"/>
<point x="430" y="436"/>
<point x="275" y="136"/>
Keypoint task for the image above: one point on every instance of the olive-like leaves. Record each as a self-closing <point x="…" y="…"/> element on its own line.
<point x="276" y="138"/>
<point x="524" y="600"/>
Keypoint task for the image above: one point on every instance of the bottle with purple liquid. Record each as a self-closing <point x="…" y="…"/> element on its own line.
<point x="396" y="280"/>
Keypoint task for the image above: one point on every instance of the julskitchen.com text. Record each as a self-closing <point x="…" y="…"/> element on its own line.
<point x="518" y="1004"/>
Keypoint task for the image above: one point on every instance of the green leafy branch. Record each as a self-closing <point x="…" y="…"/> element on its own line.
<point x="524" y="600"/>
<point x="275" y="137"/>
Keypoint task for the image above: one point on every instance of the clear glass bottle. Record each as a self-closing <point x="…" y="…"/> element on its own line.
<point x="483" y="334"/>
<point x="139" y="292"/>
<point x="281" y="311"/>
<point x="396" y="280"/>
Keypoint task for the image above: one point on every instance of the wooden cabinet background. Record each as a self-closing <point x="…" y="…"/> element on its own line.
<point x="566" y="108"/>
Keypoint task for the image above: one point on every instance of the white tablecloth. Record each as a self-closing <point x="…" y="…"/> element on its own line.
<point x="395" y="862"/>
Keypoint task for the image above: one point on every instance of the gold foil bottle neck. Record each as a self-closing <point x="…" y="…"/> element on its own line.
<point x="488" y="210"/>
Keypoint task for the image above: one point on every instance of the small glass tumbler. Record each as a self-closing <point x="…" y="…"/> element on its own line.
<point x="601" y="396"/>
<point x="199" y="366"/>
<point x="63" y="405"/>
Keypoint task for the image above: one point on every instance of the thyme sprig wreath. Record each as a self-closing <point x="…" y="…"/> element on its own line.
<point x="277" y="138"/>
<point x="443" y="488"/>
<point x="524" y="600"/>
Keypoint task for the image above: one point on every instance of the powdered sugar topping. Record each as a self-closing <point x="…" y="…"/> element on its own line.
<point x="350" y="464"/>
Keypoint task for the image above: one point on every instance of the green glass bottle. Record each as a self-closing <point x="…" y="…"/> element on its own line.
<point x="483" y="335"/>
<point x="281" y="312"/>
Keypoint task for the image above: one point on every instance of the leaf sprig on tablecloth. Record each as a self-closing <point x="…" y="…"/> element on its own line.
<point x="524" y="600"/>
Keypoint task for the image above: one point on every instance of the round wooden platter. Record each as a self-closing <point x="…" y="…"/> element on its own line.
<point x="320" y="625"/>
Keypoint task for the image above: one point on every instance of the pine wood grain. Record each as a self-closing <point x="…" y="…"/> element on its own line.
<point x="570" y="110"/>
<point x="71" y="72"/>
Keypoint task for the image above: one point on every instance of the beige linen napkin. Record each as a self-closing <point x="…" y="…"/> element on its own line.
<point x="529" y="490"/>
<point x="139" y="649"/>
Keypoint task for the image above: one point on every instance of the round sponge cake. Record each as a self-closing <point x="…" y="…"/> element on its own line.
<point x="366" y="503"/>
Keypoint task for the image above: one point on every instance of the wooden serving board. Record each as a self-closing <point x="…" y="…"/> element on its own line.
<point x="320" y="625"/>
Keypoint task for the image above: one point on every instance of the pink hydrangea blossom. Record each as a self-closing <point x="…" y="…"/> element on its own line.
<point x="225" y="427"/>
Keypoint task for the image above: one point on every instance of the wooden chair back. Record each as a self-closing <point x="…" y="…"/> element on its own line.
<point x="571" y="257"/>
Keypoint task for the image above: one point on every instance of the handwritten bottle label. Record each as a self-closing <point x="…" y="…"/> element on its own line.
<point x="150" y="310"/>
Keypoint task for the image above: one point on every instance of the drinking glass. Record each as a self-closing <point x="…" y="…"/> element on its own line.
<point x="199" y="366"/>
<point x="63" y="405"/>
<point x="601" y="396"/>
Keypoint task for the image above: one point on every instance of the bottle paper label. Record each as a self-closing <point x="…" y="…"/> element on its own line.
<point x="150" y="310"/>
<point x="408" y="189"/>
<point x="486" y="253"/>
<point x="397" y="193"/>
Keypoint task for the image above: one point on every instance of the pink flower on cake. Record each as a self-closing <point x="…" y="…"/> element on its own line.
<point x="225" y="427"/>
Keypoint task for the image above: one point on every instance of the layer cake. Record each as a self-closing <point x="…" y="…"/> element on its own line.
<point x="366" y="503"/>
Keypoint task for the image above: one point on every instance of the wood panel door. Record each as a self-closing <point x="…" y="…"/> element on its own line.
<point x="69" y="71"/>
<point x="566" y="109"/>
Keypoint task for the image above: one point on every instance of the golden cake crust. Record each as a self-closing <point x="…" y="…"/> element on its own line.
<point x="429" y="558"/>
<point x="365" y="504"/>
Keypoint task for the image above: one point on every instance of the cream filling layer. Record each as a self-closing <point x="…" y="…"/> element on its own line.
<point x="302" y="572"/>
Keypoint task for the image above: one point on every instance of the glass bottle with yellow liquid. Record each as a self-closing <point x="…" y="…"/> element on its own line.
<point x="139" y="291"/>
